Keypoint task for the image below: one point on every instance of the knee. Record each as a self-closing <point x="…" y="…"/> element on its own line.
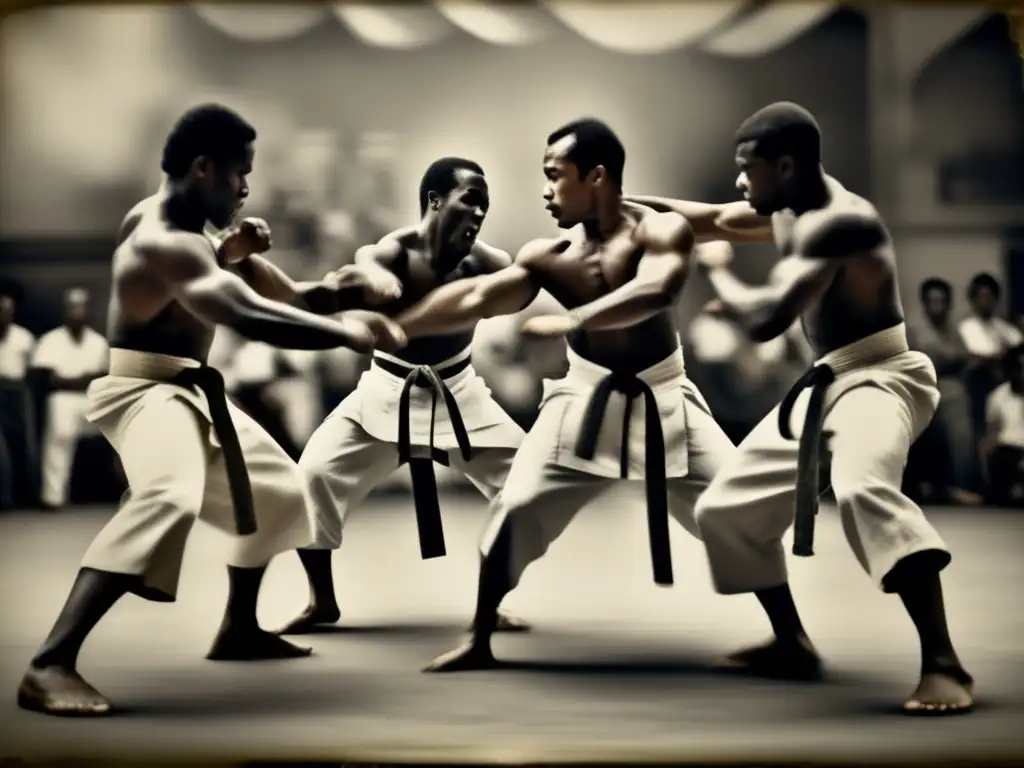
<point x="712" y="510"/>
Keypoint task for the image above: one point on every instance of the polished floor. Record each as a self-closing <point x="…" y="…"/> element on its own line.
<point x="617" y="669"/>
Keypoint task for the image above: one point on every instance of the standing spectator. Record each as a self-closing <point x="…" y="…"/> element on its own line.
<point x="72" y="355"/>
<point x="18" y="455"/>
<point x="987" y="339"/>
<point x="1003" y="446"/>
<point x="948" y="459"/>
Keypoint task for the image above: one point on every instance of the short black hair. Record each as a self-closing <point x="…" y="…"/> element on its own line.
<point x="781" y="129"/>
<point x="12" y="290"/>
<point x="936" y="284"/>
<point x="596" y="144"/>
<point x="212" y="130"/>
<point x="441" y="177"/>
<point x="984" y="280"/>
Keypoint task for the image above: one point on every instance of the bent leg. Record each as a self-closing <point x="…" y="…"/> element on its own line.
<point x="742" y="516"/>
<point x="709" y="449"/>
<point x="283" y="524"/>
<point x="890" y="536"/>
<point x="138" y="551"/>
<point x="341" y="465"/>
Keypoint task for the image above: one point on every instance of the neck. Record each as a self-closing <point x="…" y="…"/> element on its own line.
<point x="813" y="193"/>
<point x="938" y="322"/>
<point x="605" y="221"/>
<point x="75" y="330"/>
<point x="181" y="208"/>
<point x="443" y="257"/>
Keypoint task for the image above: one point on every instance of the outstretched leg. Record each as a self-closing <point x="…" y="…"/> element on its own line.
<point x="51" y="684"/>
<point x="536" y="505"/>
<point x="488" y="472"/>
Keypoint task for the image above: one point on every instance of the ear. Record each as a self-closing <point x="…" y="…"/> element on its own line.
<point x="598" y="175"/>
<point x="434" y="200"/>
<point x="786" y="166"/>
<point x="202" y="166"/>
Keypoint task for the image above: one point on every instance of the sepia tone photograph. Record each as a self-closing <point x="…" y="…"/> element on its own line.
<point x="487" y="383"/>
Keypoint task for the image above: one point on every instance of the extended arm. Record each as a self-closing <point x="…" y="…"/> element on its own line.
<point x="461" y="304"/>
<point x="734" y="222"/>
<point x="187" y="265"/>
<point x="661" y="273"/>
<point x="822" y="247"/>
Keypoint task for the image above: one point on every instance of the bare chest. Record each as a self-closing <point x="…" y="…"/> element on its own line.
<point x="585" y="271"/>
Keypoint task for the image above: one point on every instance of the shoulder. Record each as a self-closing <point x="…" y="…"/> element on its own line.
<point x="95" y="337"/>
<point x="1000" y="393"/>
<point x="537" y="252"/>
<point x="22" y="336"/>
<point x="389" y="249"/>
<point x="849" y="225"/>
<point x="488" y="259"/>
<point x="669" y="230"/>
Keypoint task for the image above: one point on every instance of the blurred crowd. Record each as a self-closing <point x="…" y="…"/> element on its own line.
<point x="972" y="453"/>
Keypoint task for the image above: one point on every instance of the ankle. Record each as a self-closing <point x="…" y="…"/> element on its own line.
<point x="53" y="659"/>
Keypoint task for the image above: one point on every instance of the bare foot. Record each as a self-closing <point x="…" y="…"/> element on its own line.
<point x="781" y="661"/>
<point x="507" y="623"/>
<point x="253" y="645"/>
<point x="949" y="692"/>
<point x="60" y="691"/>
<point x="315" y="618"/>
<point x="473" y="655"/>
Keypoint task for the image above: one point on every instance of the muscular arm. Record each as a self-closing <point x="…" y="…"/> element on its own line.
<point x="734" y="222"/>
<point x="822" y="247"/>
<point x="187" y="265"/>
<point x="660" y="276"/>
<point x="459" y="305"/>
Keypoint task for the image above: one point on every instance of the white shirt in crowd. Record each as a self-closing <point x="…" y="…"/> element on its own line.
<point x="59" y="352"/>
<point x="1004" y="414"/>
<point x="989" y="338"/>
<point x="15" y="351"/>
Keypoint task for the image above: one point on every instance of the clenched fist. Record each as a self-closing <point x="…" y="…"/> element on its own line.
<point x="714" y="255"/>
<point x="379" y="286"/>
<point x="248" y="237"/>
<point x="387" y="335"/>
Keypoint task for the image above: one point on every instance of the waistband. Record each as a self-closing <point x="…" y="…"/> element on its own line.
<point x="458" y="361"/>
<point x="867" y="351"/>
<point x="665" y="371"/>
<point x="148" y="365"/>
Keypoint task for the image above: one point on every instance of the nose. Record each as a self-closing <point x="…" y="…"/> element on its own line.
<point x="478" y="215"/>
<point x="244" y="192"/>
<point x="549" y="194"/>
<point x="741" y="182"/>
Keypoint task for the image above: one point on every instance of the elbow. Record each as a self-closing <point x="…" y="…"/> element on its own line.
<point x="213" y="300"/>
<point x="770" y="324"/>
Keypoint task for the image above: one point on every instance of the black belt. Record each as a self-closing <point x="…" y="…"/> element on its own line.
<point x="211" y="383"/>
<point x="424" y="484"/>
<point x="654" y="470"/>
<point x="812" y="442"/>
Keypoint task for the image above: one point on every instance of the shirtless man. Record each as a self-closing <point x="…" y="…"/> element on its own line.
<point x="362" y="442"/>
<point x="184" y="448"/>
<point x="619" y="280"/>
<point x="872" y="396"/>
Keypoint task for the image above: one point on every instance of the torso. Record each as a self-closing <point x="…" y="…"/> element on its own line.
<point x="577" y="271"/>
<point x="143" y="315"/>
<point x="863" y="297"/>
<point x="419" y="277"/>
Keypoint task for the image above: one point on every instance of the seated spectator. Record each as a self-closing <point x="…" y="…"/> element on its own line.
<point x="1003" y="446"/>
<point x="946" y="454"/>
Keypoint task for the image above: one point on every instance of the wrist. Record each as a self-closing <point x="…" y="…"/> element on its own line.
<point x="577" y="318"/>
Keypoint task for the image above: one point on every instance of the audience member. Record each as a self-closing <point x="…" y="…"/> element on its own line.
<point x="947" y="466"/>
<point x="18" y="454"/>
<point x="71" y="356"/>
<point x="1003" y="446"/>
